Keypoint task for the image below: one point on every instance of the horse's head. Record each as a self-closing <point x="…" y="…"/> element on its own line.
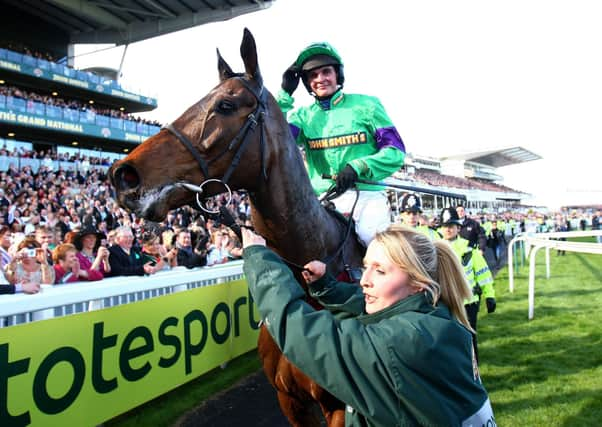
<point x="204" y="145"/>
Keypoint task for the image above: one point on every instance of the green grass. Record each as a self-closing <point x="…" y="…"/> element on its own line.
<point x="543" y="372"/>
<point x="547" y="371"/>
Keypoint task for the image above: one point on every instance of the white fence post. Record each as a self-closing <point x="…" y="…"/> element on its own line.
<point x="542" y="240"/>
<point x="534" y="250"/>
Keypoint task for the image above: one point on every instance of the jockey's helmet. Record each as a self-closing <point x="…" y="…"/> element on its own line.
<point x="319" y="55"/>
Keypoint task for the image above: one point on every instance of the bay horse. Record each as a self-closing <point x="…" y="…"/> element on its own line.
<point x="237" y="135"/>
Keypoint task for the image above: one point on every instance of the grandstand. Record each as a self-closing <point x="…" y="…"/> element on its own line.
<point x="473" y="175"/>
<point x="47" y="105"/>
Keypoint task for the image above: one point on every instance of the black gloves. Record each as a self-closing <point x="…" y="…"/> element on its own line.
<point x="290" y="79"/>
<point x="345" y="179"/>
<point x="490" y="304"/>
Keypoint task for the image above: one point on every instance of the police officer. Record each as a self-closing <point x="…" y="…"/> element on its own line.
<point x="347" y="136"/>
<point x="477" y="273"/>
<point x="411" y="208"/>
<point x="471" y="230"/>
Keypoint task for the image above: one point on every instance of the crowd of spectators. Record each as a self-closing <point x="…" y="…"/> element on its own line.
<point x="26" y="50"/>
<point x="439" y="180"/>
<point x="79" y="161"/>
<point x="62" y="226"/>
<point x="73" y="104"/>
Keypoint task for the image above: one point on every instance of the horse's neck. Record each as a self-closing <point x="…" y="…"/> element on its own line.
<point x="288" y="214"/>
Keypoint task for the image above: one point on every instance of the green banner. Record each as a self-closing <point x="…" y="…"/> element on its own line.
<point x="87" y="368"/>
<point x="25" y="119"/>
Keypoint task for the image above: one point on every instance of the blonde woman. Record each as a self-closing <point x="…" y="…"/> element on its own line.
<point x="30" y="264"/>
<point x="397" y="349"/>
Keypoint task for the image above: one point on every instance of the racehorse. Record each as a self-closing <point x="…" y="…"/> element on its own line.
<point x="236" y="137"/>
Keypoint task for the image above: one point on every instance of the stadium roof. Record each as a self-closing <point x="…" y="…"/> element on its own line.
<point x="129" y="21"/>
<point x="497" y="158"/>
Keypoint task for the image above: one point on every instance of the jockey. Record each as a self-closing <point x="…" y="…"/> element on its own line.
<point x="346" y="136"/>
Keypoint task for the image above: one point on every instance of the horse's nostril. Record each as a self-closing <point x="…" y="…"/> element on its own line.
<point x="127" y="178"/>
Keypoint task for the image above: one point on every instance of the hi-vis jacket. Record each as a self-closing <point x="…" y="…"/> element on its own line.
<point x="476" y="269"/>
<point x="388" y="367"/>
<point x="349" y="129"/>
<point x="428" y="232"/>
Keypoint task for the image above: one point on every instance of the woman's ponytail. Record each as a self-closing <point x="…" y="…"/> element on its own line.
<point x="453" y="284"/>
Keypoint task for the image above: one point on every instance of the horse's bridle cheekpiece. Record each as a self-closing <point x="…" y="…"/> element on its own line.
<point x="256" y="118"/>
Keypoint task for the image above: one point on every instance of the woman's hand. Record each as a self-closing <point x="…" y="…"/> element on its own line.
<point x="148" y="268"/>
<point x="41" y="256"/>
<point x="75" y="267"/>
<point x="313" y="271"/>
<point x="249" y="238"/>
<point x="103" y="253"/>
<point x="30" y="287"/>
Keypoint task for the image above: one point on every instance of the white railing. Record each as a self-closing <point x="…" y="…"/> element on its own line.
<point x="537" y="241"/>
<point x="61" y="300"/>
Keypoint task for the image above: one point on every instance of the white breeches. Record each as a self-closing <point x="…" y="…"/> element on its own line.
<point x="371" y="215"/>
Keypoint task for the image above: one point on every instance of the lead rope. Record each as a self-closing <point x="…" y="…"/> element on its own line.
<point x="330" y="193"/>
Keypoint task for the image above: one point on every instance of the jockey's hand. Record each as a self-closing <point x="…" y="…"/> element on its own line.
<point x="249" y="238"/>
<point x="313" y="271"/>
<point x="346" y="179"/>
<point x="290" y="79"/>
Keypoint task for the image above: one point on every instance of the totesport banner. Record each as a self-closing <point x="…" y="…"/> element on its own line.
<point x="86" y="368"/>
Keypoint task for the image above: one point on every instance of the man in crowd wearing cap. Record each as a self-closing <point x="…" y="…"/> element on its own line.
<point x="347" y="137"/>
<point x="477" y="272"/>
<point x="411" y="208"/>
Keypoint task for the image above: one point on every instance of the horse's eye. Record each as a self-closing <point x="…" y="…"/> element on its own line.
<point x="226" y="106"/>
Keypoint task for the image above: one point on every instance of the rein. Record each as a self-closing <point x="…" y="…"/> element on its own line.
<point x="327" y="197"/>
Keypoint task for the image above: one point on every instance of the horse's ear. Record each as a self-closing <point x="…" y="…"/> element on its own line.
<point x="225" y="72"/>
<point x="248" y="52"/>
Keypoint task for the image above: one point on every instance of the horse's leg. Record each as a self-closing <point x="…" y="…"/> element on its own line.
<point x="294" y="389"/>
<point x="298" y="412"/>
<point x="332" y="408"/>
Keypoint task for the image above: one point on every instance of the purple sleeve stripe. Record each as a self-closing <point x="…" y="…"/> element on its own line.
<point x="388" y="137"/>
<point x="294" y="130"/>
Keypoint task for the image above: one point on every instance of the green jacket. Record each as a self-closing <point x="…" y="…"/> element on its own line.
<point x="348" y="129"/>
<point x="476" y="269"/>
<point x="391" y="368"/>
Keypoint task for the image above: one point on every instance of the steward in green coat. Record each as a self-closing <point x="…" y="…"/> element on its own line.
<point x="393" y="350"/>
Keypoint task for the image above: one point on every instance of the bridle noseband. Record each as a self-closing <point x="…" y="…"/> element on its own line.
<point x="256" y="118"/>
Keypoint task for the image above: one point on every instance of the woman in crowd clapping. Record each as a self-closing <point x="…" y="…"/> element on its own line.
<point x="67" y="268"/>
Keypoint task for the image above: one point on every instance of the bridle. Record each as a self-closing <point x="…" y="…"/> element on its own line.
<point x="255" y="119"/>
